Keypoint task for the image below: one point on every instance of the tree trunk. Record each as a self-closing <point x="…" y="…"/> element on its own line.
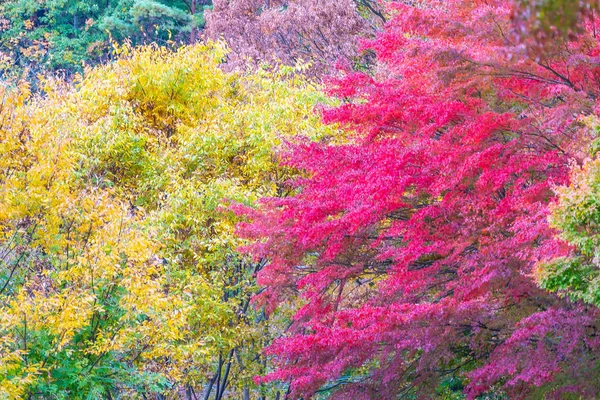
<point x="193" y="30"/>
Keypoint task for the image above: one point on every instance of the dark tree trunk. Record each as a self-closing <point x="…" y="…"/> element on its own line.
<point x="193" y="30"/>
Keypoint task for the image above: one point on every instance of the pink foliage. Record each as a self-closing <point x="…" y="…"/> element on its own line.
<point x="322" y="32"/>
<point x="413" y="245"/>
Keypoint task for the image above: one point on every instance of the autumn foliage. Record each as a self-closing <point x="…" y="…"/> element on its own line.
<point x="321" y="33"/>
<point x="118" y="270"/>
<point x="342" y="199"/>
<point x="412" y="247"/>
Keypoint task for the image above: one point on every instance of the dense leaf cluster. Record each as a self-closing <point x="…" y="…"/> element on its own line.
<point x="207" y="221"/>
<point x="58" y="35"/>
<point x="118" y="270"/>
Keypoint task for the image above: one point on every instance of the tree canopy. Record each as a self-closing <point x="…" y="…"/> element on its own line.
<point x="413" y="246"/>
<point x="283" y="199"/>
<point x="119" y="275"/>
<point x="58" y="35"/>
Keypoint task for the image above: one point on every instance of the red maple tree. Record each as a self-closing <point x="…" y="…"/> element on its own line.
<point x="412" y="245"/>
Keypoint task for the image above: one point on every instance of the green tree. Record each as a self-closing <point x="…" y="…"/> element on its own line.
<point x="60" y="35"/>
<point x="576" y="216"/>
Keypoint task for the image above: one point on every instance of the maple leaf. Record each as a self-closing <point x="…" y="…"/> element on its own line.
<point x="418" y="237"/>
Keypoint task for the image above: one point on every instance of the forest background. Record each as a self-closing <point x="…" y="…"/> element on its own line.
<point x="295" y="199"/>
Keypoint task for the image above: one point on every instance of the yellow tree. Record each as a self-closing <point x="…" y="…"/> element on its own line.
<point x="118" y="270"/>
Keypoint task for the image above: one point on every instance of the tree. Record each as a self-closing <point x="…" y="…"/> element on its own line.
<point x="573" y="270"/>
<point x="118" y="270"/>
<point x="411" y="248"/>
<point x="58" y="35"/>
<point x="287" y="32"/>
<point x="49" y="35"/>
